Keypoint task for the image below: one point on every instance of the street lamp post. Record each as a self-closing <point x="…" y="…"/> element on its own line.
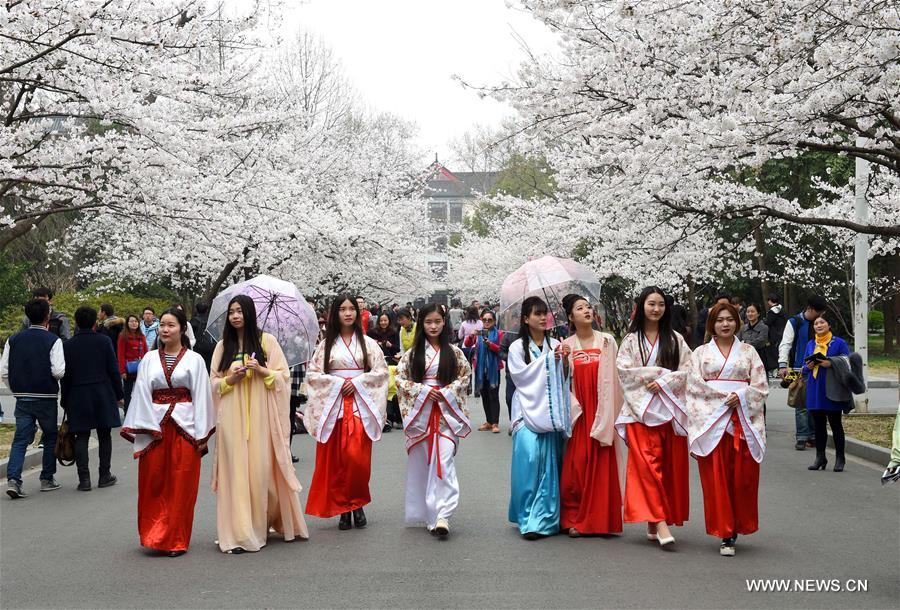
<point x="861" y="279"/>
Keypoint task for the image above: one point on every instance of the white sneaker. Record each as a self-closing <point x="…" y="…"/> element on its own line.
<point x="442" y="528"/>
<point x="726" y="550"/>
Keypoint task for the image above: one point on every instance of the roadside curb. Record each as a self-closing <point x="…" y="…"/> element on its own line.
<point x="864" y="450"/>
<point x="33" y="457"/>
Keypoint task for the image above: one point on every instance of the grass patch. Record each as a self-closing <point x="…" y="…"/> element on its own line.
<point x="6" y="437"/>
<point x="7" y="431"/>
<point x="875" y="429"/>
<point x="879" y="364"/>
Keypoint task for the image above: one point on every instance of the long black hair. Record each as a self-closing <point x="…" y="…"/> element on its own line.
<point x="529" y="306"/>
<point x="251" y="334"/>
<point x="447" y="361"/>
<point x="668" y="355"/>
<point x="182" y="322"/>
<point x="333" y="330"/>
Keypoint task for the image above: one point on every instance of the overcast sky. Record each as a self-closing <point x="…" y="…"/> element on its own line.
<point x="401" y="56"/>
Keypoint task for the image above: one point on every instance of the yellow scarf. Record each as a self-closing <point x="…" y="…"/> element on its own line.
<point x="822" y="342"/>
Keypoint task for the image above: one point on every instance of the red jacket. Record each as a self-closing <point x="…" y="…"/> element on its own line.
<point x="472" y="341"/>
<point x="130" y="348"/>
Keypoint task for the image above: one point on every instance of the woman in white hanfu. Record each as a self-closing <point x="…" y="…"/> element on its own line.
<point x="347" y="381"/>
<point x="169" y="420"/>
<point x="432" y="381"/>
<point x="653" y="365"/>
<point x="726" y="391"/>
<point x="538" y="365"/>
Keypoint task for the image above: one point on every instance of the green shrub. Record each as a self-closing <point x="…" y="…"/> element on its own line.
<point x="67" y="302"/>
<point x="876" y="321"/>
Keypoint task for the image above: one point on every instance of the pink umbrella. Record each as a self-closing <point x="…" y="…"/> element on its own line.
<point x="550" y="278"/>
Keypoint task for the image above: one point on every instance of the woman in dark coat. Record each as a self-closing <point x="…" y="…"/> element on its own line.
<point x="388" y="339"/>
<point x="756" y="333"/>
<point x="91" y="394"/>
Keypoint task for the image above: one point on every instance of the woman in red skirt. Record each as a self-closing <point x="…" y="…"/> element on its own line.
<point x="590" y="484"/>
<point x="653" y="364"/>
<point x="345" y="412"/>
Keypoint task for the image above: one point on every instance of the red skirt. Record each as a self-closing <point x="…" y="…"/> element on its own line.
<point x="656" y="483"/>
<point x="168" y="479"/>
<point x="730" y="479"/>
<point x="590" y="497"/>
<point x="340" y="481"/>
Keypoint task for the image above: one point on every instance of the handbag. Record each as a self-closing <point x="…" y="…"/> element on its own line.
<point x="65" y="444"/>
<point x="797" y="393"/>
<point x="131" y="367"/>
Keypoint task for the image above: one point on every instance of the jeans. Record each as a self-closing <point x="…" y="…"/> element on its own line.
<point x="29" y="414"/>
<point x="490" y="400"/>
<point x="804" y="424"/>
<point x="81" y="453"/>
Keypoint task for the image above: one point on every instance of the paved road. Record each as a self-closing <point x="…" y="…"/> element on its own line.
<point x="75" y="549"/>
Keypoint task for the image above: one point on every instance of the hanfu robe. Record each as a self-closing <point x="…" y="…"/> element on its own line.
<point x="432" y="429"/>
<point x="344" y="426"/>
<point x="170" y="420"/>
<point x="540" y="425"/>
<point x="253" y="475"/>
<point x="655" y="426"/>
<point x="594" y="463"/>
<point x="728" y="442"/>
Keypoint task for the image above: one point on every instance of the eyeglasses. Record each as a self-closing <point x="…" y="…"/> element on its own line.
<point x="487" y="319"/>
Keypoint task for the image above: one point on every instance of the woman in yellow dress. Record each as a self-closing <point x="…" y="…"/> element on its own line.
<point x="253" y="475"/>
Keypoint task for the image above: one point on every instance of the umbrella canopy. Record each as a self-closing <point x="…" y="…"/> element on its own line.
<point x="551" y="279"/>
<point x="281" y="311"/>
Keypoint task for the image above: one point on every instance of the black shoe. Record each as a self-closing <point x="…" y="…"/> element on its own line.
<point x="84" y="484"/>
<point x="345" y="523"/>
<point x="235" y="551"/>
<point x="839" y="463"/>
<point x="820" y="463"/>
<point x="294" y="458"/>
<point x="176" y="553"/>
<point x="726" y="549"/>
<point x="107" y="480"/>
<point x="387" y="428"/>
<point x="531" y="536"/>
<point x="359" y="518"/>
<point x="800" y="446"/>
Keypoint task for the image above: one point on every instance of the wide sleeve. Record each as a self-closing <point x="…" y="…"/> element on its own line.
<point x="203" y="404"/>
<point x="456" y="392"/>
<point x="323" y="395"/>
<point x="220" y="387"/>
<point x="411" y="394"/>
<point x="372" y="390"/>
<point x="807" y="352"/>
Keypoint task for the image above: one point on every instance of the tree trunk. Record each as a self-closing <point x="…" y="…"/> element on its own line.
<point x="9" y="234"/>
<point x="891" y="308"/>
<point x="692" y="311"/>
<point x="760" y="255"/>
<point x="214" y="288"/>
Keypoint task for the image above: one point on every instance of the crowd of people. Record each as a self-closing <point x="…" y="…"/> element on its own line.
<point x="575" y="399"/>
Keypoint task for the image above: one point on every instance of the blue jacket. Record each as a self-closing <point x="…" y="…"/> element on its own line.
<point x="816" y="395"/>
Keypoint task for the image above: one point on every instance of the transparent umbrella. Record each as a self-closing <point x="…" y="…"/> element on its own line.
<point x="549" y="278"/>
<point x="281" y="311"/>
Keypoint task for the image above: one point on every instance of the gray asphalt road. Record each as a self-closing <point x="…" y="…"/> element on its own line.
<point x="76" y="549"/>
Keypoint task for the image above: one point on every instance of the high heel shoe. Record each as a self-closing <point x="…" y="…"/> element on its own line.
<point x="820" y="463"/>
<point x="839" y="463"/>
<point x="345" y="523"/>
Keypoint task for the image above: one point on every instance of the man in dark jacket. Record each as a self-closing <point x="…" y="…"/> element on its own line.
<point x="505" y="343"/>
<point x="31" y="366"/>
<point x="204" y="345"/>
<point x="59" y="323"/>
<point x="91" y="395"/>
<point x="109" y="324"/>
<point x="775" y="321"/>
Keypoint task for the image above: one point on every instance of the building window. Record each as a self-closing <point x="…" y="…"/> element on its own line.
<point x="437" y="212"/>
<point x="456" y="213"/>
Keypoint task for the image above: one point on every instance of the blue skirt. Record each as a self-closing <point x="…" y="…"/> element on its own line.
<point x="534" y="481"/>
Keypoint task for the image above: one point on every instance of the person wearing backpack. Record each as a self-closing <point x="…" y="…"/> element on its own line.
<point x="204" y="345"/>
<point x="798" y="332"/>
